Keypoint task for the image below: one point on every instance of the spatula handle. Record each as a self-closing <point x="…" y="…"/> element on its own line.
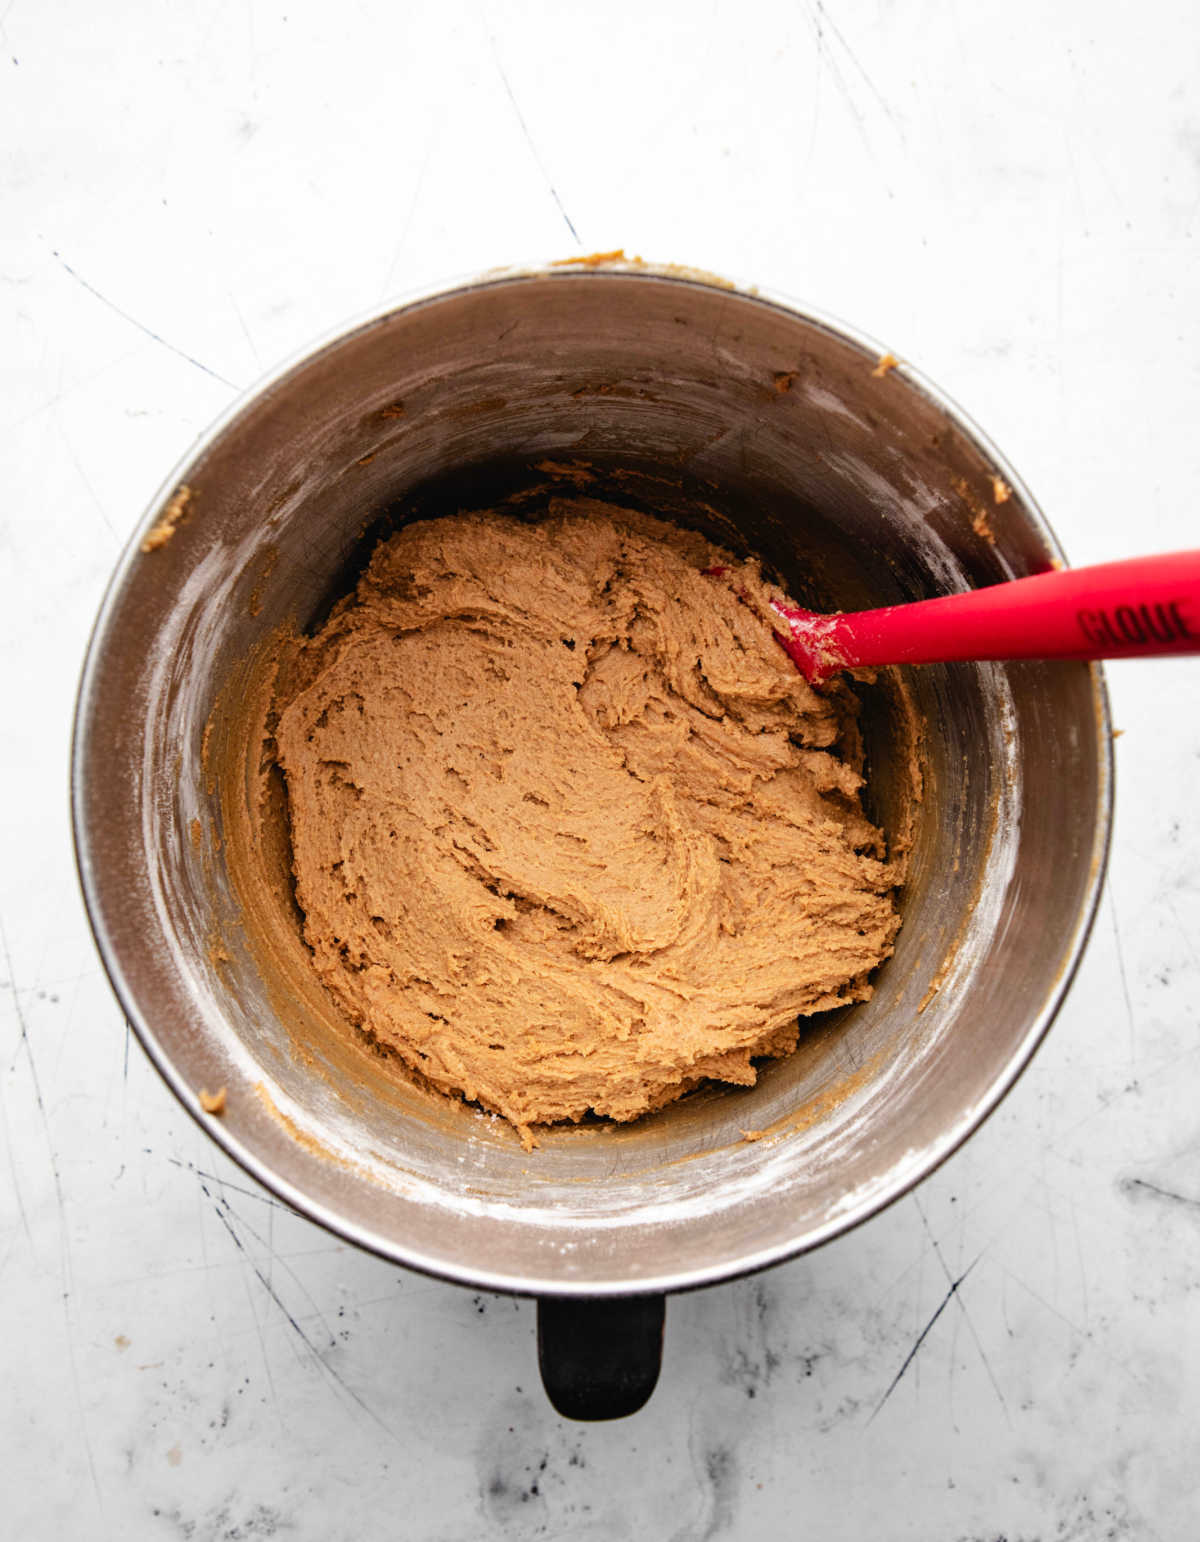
<point x="1139" y="607"/>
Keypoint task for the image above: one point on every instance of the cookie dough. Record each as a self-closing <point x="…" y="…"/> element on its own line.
<point x="570" y="833"/>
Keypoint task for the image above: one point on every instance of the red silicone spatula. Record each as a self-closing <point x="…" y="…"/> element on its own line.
<point x="1132" y="609"/>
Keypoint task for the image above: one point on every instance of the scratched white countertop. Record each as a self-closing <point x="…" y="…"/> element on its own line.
<point x="1006" y="194"/>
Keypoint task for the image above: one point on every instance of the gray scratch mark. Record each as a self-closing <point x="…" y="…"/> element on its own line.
<point x="236" y="1188"/>
<point x="282" y="1258"/>
<point x="1095" y="1346"/>
<point x="63" y="1230"/>
<point x="824" y="52"/>
<point x="250" y="1301"/>
<point x="224" y="1213"/>
<point x="83" y="476"/>
<point x="1129" y="1186"/>
<point x="987" y="1364"/>
<point x="361" y="1303"/>
<point x="921" y="1337"/>
<point x="951" y="1366"/>
<point x="1042" y="1202"/>
<point x="62" y="980"/>
<point x="209" y="1283"/>
<point x="1179" y="926"/>
<point x="714" y="1470"/>
<point x="1112" y="910"/>
<point x="16" y="1183"/>
<point x="1106" y="1101"/>
<point x="402" y="238"/>
<point x="125" y="1065"/>
<point x="1083" y="1284"/>
<point x="816" y="114"/>
<point x="61" y="395"/>
<point x="1074" y="169"/>
<point x="24" y="1044"/>
<point x="145" y="1275"/>
<point x="1042" y="1302"/>
<point x="857" y="63"/>
<point x="720" y="1474"/>
<point x="141" y="326"/>
<point x="237" y="311"/>
<point x="10" y="1249"/>
<point x="533" y="149"/>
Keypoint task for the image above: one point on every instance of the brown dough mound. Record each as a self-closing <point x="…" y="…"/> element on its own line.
<point x="569" y="831"/>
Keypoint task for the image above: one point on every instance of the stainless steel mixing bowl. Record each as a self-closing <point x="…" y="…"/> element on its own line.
<point x="777" y="431"/>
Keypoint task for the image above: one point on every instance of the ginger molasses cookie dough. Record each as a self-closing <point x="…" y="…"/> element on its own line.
<point x="569" y="831"/>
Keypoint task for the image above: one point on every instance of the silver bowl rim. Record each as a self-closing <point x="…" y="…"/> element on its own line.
<point x="905" y="1176"/>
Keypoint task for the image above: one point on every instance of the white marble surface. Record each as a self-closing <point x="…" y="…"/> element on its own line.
<point x="1009" y="195"/>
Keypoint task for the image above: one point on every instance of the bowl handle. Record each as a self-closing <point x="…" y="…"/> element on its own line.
<point x="600" y="1357"/>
